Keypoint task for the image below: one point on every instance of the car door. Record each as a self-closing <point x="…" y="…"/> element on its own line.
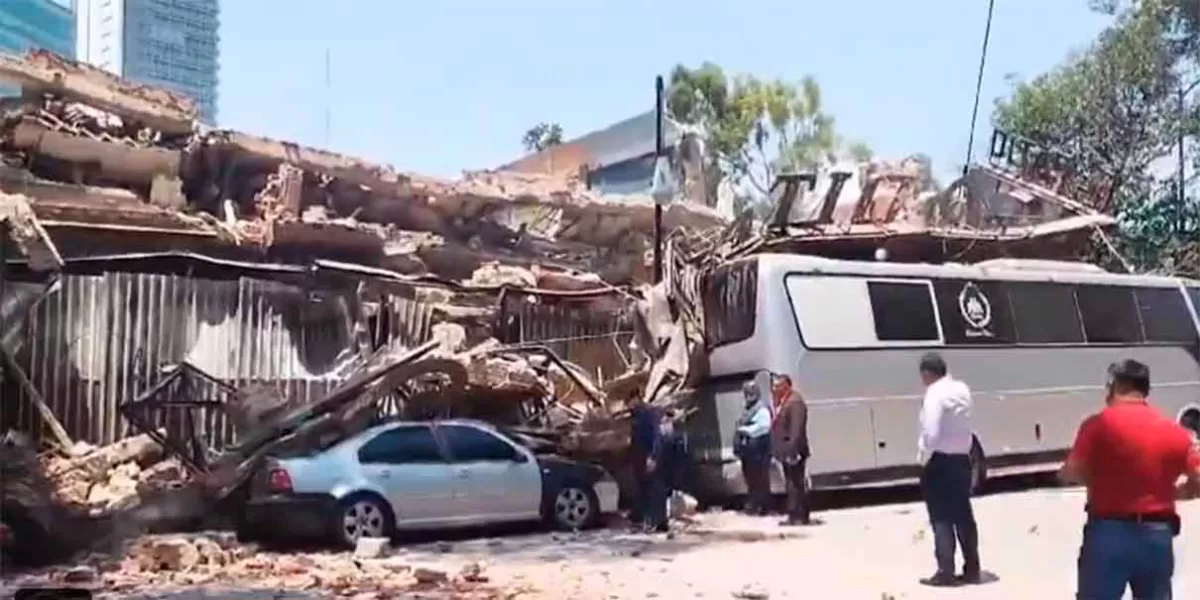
<point x="408" y="464"/>
<point x="497" y="481"/>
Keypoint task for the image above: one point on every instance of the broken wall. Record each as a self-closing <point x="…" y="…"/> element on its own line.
<point x="596" y="338"/>
<point x="101" y="340"/>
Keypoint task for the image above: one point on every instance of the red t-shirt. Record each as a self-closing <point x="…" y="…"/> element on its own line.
<point x="1132" y="457"/>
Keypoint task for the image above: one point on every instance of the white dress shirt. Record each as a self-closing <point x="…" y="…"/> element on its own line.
<point x="945" y="419"/>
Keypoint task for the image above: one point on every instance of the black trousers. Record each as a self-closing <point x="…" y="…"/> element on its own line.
<point x="757" y="473"/>
<point x="946" y="486"/>
<point x="798" y="510"/>
<point x="641" y="484"/>
<point x="658" y="495"/>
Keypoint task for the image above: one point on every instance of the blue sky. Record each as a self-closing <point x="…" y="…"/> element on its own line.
<point x="438" y="87"/>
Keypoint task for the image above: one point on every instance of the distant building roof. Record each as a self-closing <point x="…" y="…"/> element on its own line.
<point x="617" y="143"/>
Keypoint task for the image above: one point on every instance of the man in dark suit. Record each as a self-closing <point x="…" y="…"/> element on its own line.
<point x="789" y="445"/>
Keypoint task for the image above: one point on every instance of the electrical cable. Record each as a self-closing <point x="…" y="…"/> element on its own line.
<point x="987" y="35"/>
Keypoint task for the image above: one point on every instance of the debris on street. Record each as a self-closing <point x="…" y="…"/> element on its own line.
<point x="163" y="563"/>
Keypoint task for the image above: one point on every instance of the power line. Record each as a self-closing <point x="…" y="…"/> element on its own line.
<point x="987" y="35"/>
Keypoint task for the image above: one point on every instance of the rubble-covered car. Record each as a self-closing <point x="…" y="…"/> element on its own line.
<point x="409" y="475"/>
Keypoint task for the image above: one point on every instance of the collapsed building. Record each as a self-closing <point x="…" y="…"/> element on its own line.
<point x="227" y="294"/>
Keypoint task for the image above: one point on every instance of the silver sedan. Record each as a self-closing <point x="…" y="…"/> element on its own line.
<point x="422" y="475"/>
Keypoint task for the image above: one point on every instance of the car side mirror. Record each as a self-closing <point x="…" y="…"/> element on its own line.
<point x="520" y="457"/>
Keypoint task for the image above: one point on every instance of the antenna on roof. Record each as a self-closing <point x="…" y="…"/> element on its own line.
<point x="328" y="97"/>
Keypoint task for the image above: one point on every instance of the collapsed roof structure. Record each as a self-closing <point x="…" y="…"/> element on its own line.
<point x="195" y="257"/>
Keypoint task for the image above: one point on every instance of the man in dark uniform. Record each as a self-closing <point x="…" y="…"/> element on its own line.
<point x="664" y="468"/>
<point x="1130" y="457"/>
<point x="752" y="445"/>
<point x="789" y="445"/>
<point x="643" y="429"/>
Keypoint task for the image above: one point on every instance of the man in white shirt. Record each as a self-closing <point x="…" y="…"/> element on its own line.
<point x="944" y="450"/>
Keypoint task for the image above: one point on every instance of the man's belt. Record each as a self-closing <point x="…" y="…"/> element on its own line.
<point x="1161" y="517"/>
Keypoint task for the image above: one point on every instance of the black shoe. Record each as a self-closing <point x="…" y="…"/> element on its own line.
<point x="941" y="579"/>
<point x="664" y="528"/>
<point x="971" y="577"/>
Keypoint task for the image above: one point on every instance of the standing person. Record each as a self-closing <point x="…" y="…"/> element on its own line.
<point x="789" y="445"/>
<point x="665" y="469"/>
<point x="752" y="445"/>
<point x="643" y="425"/>
<point x="1130" y="457"/>
<point x="944" y="448"/>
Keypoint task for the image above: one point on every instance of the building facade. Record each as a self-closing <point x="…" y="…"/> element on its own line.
<point x="618" y="159"/>
<point x="169" y="43"/>
<point x="40" y="24"/>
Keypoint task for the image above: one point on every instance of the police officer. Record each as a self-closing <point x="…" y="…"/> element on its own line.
<point x="752" y="445"/>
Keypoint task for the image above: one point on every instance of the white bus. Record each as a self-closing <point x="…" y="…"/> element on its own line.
<point x="1032" y="339"/>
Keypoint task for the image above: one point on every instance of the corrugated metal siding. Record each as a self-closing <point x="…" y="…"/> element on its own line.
<point x="597" y="341"/>
<point x="103" y="340"/>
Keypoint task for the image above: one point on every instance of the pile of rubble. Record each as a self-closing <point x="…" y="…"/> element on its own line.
<point x="114" y="477"/>
<point x="93" y="155"/>
<point x="217" y="562"/>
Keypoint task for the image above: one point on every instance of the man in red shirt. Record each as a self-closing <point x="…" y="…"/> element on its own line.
<point x="1131" y="458"/>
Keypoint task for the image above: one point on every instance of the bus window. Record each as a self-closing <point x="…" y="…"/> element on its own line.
<point x="1165" y="316"/>
<point x="903" y="311"/>
<point x="1110" y="314"/>
<point x="1045" y="313"/>
<point x="729" y="295"/>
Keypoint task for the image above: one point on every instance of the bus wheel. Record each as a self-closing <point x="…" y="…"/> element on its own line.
<point x="978" y="468"/>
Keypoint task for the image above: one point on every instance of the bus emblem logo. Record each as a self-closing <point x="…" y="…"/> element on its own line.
<point x="976" y="310"/>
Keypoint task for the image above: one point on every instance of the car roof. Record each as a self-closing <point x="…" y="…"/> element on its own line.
<point x="400" y="422"/>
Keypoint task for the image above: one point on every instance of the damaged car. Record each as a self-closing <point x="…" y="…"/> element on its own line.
<point x="412" y="475"/>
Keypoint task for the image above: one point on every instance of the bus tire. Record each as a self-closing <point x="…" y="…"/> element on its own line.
<point x="978" y="467"/>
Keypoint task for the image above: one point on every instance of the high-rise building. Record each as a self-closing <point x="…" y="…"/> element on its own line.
<point x="29" y="24"/>
<point x="168" y="43"/>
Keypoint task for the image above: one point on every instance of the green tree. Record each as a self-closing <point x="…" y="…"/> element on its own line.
<point x="542" y="136"/>
<point x="1115" y="110"/>
<point x="756" y="128"/>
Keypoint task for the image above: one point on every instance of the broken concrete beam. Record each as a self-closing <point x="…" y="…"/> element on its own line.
<point x="378" y="178"/>
<point x="45" y="72"/>
<point x="123" y="163"/>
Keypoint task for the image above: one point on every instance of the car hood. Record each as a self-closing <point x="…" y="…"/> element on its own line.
<point x="591" y="471"/>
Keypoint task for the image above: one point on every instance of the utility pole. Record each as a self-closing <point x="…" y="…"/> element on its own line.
<point x="658" y="152"/>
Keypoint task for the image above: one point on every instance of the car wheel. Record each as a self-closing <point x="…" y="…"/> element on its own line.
<point x="574" y="507"/>
<point x="362" y="516"/>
